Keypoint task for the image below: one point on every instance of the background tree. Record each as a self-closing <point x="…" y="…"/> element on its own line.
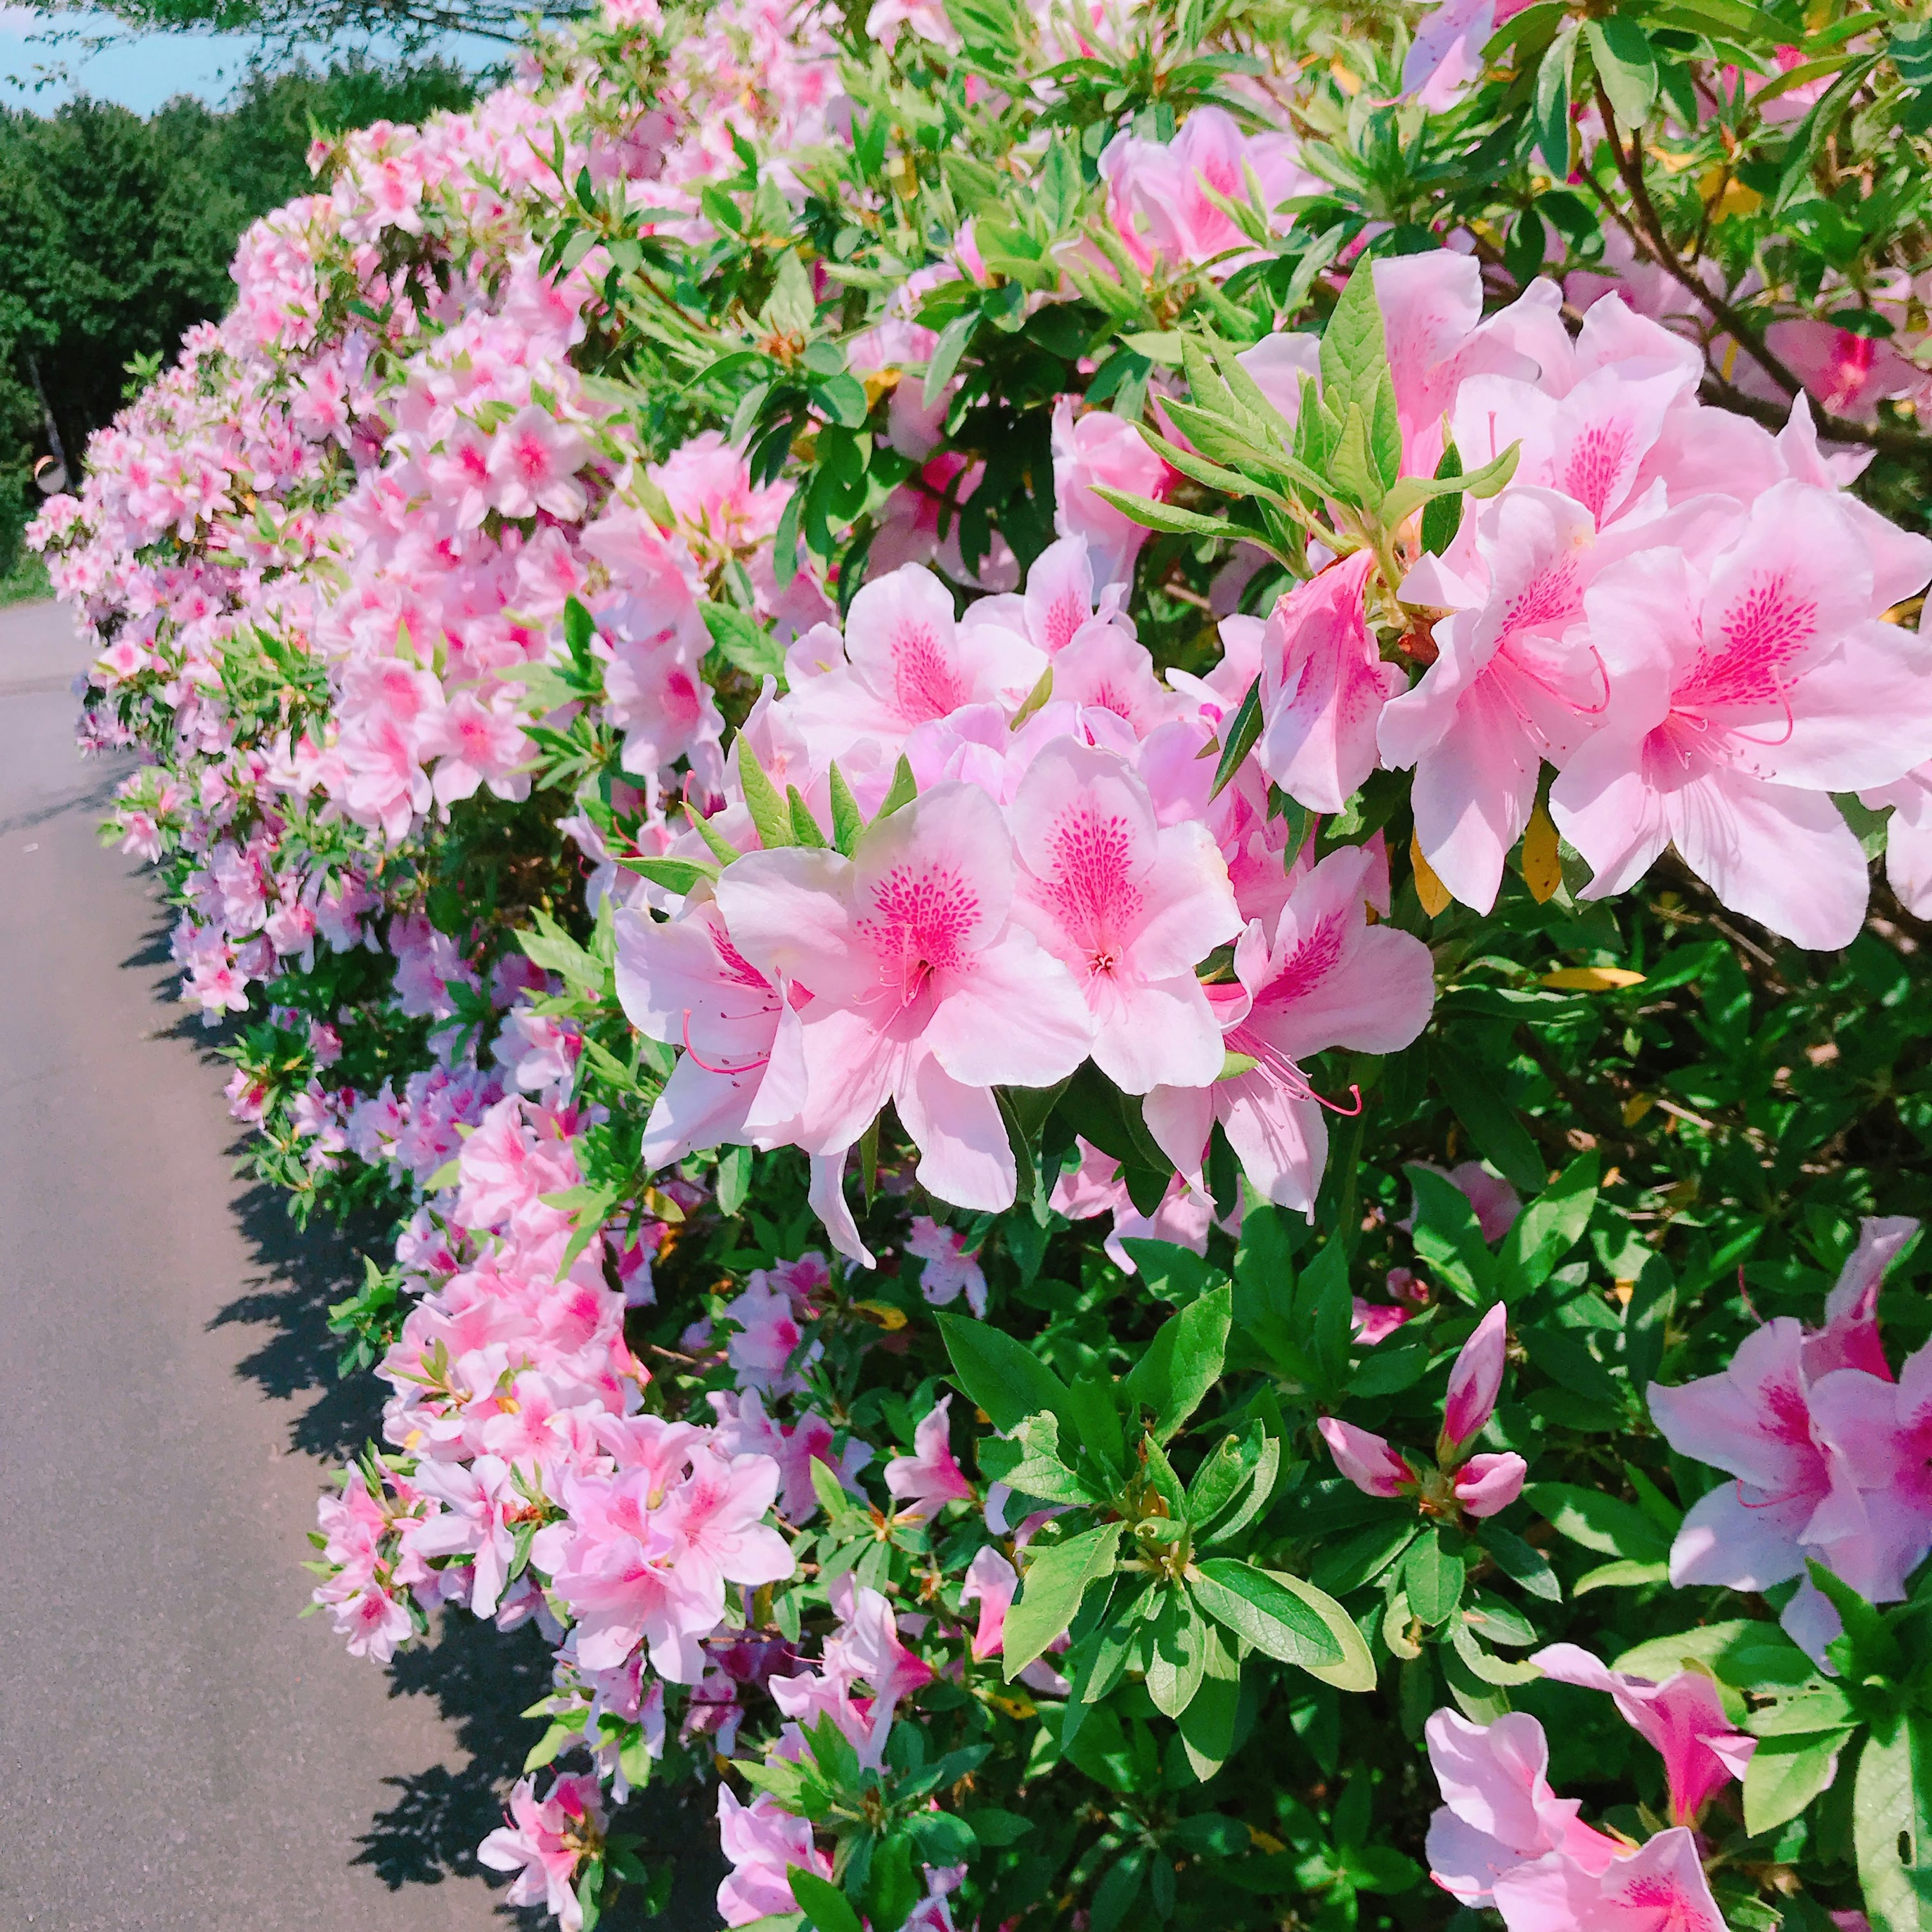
<point x="120" y="229"/>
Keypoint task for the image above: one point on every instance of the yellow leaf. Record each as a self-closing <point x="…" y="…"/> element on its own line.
<point x="1428" y="889"/>
<point x="882" y="1312"/>
<point x="1264" y="1841"/>
<point x="1542" y="859"/>
<point x="1017" y="1708"/>
<point x="1635" y="1107"/>
<point x="1591" y="979"/>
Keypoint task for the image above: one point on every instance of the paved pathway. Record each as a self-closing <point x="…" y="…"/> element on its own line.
<point x="178" y="1754"/>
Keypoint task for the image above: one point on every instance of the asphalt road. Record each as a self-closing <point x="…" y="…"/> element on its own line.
<point x="177" y="1751"/>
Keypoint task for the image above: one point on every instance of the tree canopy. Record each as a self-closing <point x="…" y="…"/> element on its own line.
<point x="120" y="229"/>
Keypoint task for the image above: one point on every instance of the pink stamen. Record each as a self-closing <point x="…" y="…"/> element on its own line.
<point x="750" y="1066"/>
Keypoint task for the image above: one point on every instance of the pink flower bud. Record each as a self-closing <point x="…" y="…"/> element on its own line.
<point x="1488" y="1483"/>
<point x="1364" y="1458"/>
<point x="1474" y="1382"/>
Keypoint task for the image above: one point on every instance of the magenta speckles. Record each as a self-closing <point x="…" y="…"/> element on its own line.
<point x="920" y="924"/>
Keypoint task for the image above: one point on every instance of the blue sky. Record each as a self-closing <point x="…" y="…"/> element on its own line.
<point x="39" y="70"/>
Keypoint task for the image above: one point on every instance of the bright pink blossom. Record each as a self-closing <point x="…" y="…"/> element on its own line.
<point x="925" y="992"/>
<point x="1130" y="907"/>
<point x="1684" y="1716"/>
<point x="931" y="1477"/>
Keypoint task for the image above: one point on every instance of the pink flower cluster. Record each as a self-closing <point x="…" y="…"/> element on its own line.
<point x="1829" y="1454"/>
<point x="1683" y="613"/>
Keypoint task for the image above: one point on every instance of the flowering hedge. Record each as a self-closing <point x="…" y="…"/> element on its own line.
<point x="1075" y="808"/>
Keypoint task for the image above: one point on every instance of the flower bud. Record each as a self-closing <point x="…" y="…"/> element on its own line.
<point x="1486" y="1484"/>
<point x="1473" y="1384"/>
<point x="1365" y="1458"/>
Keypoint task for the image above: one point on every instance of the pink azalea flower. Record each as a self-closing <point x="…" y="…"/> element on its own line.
<point x="930" y="1477"/>
<point x="1683" y="1718"/>
<point x="745" y="1428"/>
<point x="1366" y="1458"/>
<point x="1485" y="1485"/>
<point x="1130" y="906"/>
<point x="1514" y="682"/>
<point x="1375" y="1321"/>
<point x="948" y="1271"/>
<point x="1730" y="718"/>
<point x="865" y="1647"/>
<point x="683" y="981"/>
<point x="924" y="992"/>
<point x="1156" y="194"/>
<point x="1797" y="1494"/>
<point x="544" y="1843"/>
<point x="534" y="459"/>
<point x="1329" y="978"/>
<point x="1475" y="1380"/>
<point x="1498" y="1813"/>
<point x="1099" y="448"/>
<point x="1660" y="1888"/>
<point x="1446" y="54"/>
<point x="1908" y="836"/>
<point x="763" y="1843"/>
<point x="1850" y="1337"/>
<point x="651" y="1549"/>
<point x="992" y="1583"/>
<point x="906" y="662"/>
<point x="478" y="1499"/>
<point x="768" y="1337"/>
<point x="1324" y="685"/>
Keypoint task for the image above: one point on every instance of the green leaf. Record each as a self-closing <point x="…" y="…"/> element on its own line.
<point x="675" y="875"/>
<point x="846" y="821"/>
<point x="734" y="1180"/>
<point x="1355" y="352"/>
<point x="903" y="789"/>
<point x="1599" y="1523"/>
<point x="1362" y="1558"/>
<point x="1001" y="1373"/>
<point x="1891" y="1825"/>
<point x="743" y="641"/>
<point x="1522" y="1562"/>
<point x="1746" y="1653"/>
<point x="1785" y="1774"/>
<point x="1493" y="1124"/>
<point x="1562" y="1354"/>
<point x="1352" y="467"/>
<point x="1432" y="1576"/>
<point x="1549" y="1227"/>
<point x="1056" y="1579"/>
<point x="1176" y="1637"/>
<point x="826" y="1907"/>
<point x="1156" y="516"/>
<point x="953" y="339"/>
<point x="1816" y="1707"/>
<point x="1621" y="1576"/>
<point x="1356" y="1670"/>
<point x="769" y="812"/>
<point x="1275" y="1620"/>
<point x="1208" y="1725"/>
<point x="1442" y="516"/>
<point x="842" y="398"/>
<point x="1626" y="66"/>
<point x="1182" y="1363"/>
<point x="1242" y="733"/>
<point x="804" y="828"/>
<point x="1553" y="101"/>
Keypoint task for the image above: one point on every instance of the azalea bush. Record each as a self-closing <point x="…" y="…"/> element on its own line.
<point x="1079" y="814"/>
